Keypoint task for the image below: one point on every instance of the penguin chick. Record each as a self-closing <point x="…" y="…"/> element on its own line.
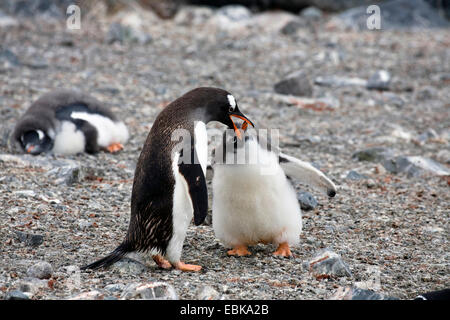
<point x="169" y="186"/>
<point x="68" y="122"/>
<point x="253" y="200"/>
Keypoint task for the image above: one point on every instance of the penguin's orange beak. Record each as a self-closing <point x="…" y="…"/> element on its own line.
<point x="30" y="148"/>
<point x="244" y="125"/>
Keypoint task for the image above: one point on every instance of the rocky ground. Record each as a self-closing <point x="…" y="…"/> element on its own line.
<point x="370" y="109"/>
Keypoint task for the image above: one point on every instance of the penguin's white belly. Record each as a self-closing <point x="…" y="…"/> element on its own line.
<point x="182" y="213"/>
<point x="108" y="131"/>
<point x="250" y="207"/>
<point x="68" y="140"/>
<point x="183" y="210"/>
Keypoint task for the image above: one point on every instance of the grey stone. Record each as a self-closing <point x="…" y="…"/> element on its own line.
<point x="339" y="81"/>
<point x="40" y="270"/>
<point x="307" y="200"/>
<point x="374" y="154"/>
<point x="380" y="80"/>
<point x="16" y="295"/>
<point x="25" y="193"/>
<point x="443" y="156"/>
<point x="208" y="293"/>
<point x="68" y="174"/>
<point x="235" y="13"/>
<point x="116" y="33"/>
<point x="327" y="263"/>
<point x="115" y="287"/>
<point x="353" y="175"/>
<point x="32" y="240"/>
<point x="292" y="27"/>
<point x="120" y="33"/>
<point x="149" y="291"/>
<point x="311" y="13"/>
<point x="296" y="84"/>
<point x="415" y="166"/>
<point x="129" y="266"/>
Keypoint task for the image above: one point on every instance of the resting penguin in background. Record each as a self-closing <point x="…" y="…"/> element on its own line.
<point x="169" y="187"/>
<point x="253" y="202"/>
<point x="68" y="122"/>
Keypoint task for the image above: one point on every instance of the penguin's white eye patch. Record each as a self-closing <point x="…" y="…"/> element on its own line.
<point x="40" y="134"/>
<point x="232" y="102"/>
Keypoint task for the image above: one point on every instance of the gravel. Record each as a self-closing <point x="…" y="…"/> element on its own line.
<point x="397" y="223"/>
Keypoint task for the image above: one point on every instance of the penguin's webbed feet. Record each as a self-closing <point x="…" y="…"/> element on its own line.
<point x="283" y="250"/>
<point x="187" y="267"/>
<point x="239" y="250"/>
<point x="114" y="147"/>
<point x="161" y="262"/>
<point x="165" y="264"/>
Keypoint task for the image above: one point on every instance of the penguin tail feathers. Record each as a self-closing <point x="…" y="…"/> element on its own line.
<point x="110" y="259"/>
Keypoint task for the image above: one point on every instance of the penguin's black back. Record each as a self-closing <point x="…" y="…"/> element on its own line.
<point x="153" y="186"/>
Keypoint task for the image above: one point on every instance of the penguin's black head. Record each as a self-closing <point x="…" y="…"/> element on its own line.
<point x="221" y="106"/>
<point x="35" y="141"/>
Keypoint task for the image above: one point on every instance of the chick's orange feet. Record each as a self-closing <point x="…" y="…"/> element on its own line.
<point x="283" y="250"/>
<point x="187" y="267"/>
<point x="240" y="250"/>
<point x="114" y="147"/>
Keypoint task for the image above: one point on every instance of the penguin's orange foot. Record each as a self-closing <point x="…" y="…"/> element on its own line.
<point x="283" y="250"/>
<point x="114" y="147"/>
<point x="240" y="251"/>
<point x="161" y="262"/>
<point x="187" y="267"/>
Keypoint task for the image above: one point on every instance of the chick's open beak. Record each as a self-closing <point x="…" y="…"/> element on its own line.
<point x="244" y="125"/>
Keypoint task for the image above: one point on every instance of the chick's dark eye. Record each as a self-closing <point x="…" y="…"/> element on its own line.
<point x="231" y="109"/>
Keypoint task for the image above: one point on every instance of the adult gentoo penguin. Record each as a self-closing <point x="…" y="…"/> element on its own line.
<point x="68" y="122"/>
<point x="253" y="200"/>
<point x="168" y="191"/>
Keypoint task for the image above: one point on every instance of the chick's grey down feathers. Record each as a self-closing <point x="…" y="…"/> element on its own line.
<point x="46" y="113"/>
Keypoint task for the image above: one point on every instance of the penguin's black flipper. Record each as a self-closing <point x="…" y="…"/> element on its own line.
<point x="90" y="134"/>
<point x="193" y="174"/>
